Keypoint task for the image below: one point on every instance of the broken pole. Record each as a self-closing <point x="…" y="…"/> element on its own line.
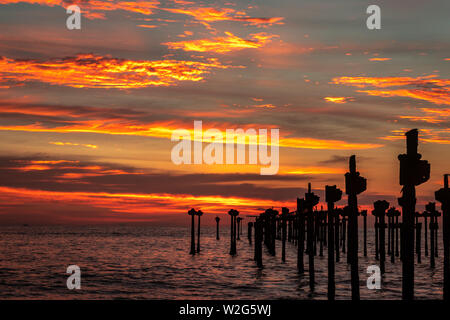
<point x="332" y="195"/>
<point x="413" y="172"/>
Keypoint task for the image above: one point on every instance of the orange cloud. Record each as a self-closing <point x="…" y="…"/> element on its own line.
<point x="208" y="14"/>
<point x="94" y="120"/>
<point x="317" y="170"/>
<point x="165" y="130"/>
<point x="222" y="44"/>
<point x="380" y="59"/>
<point x="428" y="88"/>
<point x="95" y="9"/>
<point x="338" y="100"/>
<point x="148" y="26"/>
<point x="435" y="96"/>
<point x="438" y="136"/>
<point x="431" y="116"/>
<point x="92" y="146"/>
<point x="94" y="71"/>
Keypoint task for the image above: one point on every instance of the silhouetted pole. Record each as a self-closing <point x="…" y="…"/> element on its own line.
<point x="425" y="216"/>
<point x="397" y="228"/>
<point x="413" y="172"/>
<point x="192" y="213"/>
<point x="258" y="241"/>
<point x="418" y="241"/>
<point x="332" y="195"/>
<point x="301" y="234"/>
<point x="239" y="219"/>
<point x="311" y="200"/>
<point x="284" y="217"/>
<point x="289" y="228"/>
<point x="217" y="229"/>
<point x="337" y="214"/>
<point x="391" y="214"/>
<point x="199" y="214"/>
<point x="364" y="215"/>
<point x="389" y="226"/>
<point x="354" y="185"/>
<point x="377" y="233"/>
<point x="431" y="212"/>
<point x="233" y="214"/>
<point x="321" y="224"/>
<point x="344" y="232"/>
<point x="249" y="233"/>
<point x="380" y="208"/>
<point x="443" y="196"/>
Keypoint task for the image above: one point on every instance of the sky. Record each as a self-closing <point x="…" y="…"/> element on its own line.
<point x="86" y="116"/>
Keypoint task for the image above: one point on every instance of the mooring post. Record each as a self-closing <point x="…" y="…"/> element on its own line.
<point x="344" y="233"/>
<point x="436" y="241"/>
<point x="311" y="200"/>
<point x="233" y="214"/>
<point x="431" y="209"/>
<point x="337" y="214"/>
<point x="238" y="220"/>
<point x="320" y="223"/>
<point x="389" y="226"/>
<point x="332" y="195"/>
<point x="249" y="232"/>
<point x="258" y="241"/>
<point x="301" y="234"/>
<point x="377" y="232"/>
<point x="199" y="214"/>
<point x="364" y="215"/>
<point x="443" y="196"/>
<point x="397" y="230"/>
<point x="380" y="208"/>
<point x="425" y="227"/>
<point x="418" y="243"/>
<point x="413" y="172"/>
<point x="192" y="213"/>
<point x="354" y="185"/>
<point x="391" y="214"/>
<point x="217" y="228"/>
<point x="284" y="216"/>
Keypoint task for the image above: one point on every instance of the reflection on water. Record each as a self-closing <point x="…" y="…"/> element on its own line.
<point x="129" y="262"/>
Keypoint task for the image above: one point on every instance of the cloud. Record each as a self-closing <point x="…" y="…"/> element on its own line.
<point x="380" y="59"/>
<point x="101" y="188"/>
<point x="438" y="136"/>
<point x="93" y="120"/>
<point x="428" y="88"/>
<point x="95" y="71"/>
<point x="95" y="9"/>
<point x="205" y="15"/>
<point x="222" y="44"/>
<point x="58" y="143"/>
<point x="338" y="100"/>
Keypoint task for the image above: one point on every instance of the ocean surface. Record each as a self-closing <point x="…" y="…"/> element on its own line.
<point x="142" y="262"/>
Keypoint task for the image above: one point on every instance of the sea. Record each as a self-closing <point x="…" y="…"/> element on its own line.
<point x="153" y="262"/>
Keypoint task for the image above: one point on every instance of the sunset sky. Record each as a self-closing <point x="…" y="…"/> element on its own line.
<point x="86" y="116"/>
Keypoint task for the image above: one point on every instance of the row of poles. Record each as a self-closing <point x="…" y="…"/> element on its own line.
<point x="319" y="229"/>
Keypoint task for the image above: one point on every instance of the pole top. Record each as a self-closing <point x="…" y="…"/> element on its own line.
<point x="352" y="164"/>
<point x="412" y="141"/>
